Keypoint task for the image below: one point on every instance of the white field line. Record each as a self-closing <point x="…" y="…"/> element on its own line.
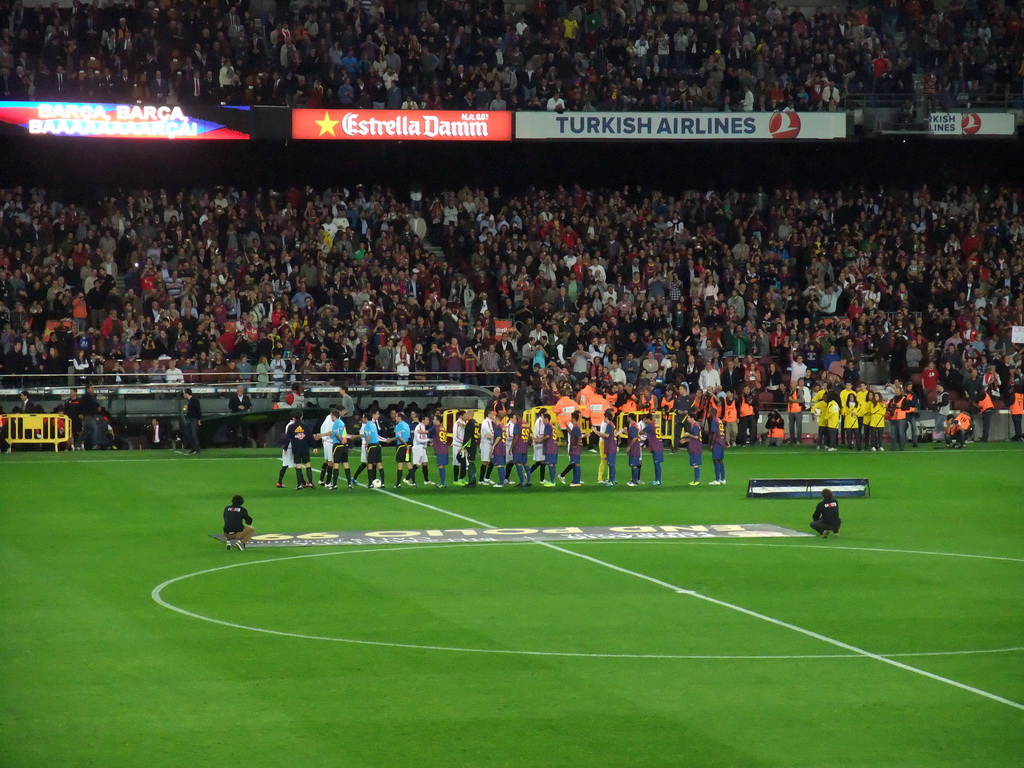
<point x="752" y="614"/>
<point x="157" y="595"/>
<point x="437" y="509"/>
<point x="826" y="546"/>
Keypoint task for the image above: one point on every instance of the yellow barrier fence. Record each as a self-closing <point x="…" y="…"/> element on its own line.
<point x="531" y="415"/>
<point x="38" y="429"/>
<point x="664" y="423"/>
<point x="448" y="419"/>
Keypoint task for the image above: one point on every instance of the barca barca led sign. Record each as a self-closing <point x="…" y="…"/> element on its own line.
<point x="124" y="121"/>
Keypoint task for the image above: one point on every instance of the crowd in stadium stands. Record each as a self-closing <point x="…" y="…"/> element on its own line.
<point x="644" y="294"/>
<point x="610" y="55"/>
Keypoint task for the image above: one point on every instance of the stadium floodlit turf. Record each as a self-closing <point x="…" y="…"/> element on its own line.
<point x="899" y="644"/>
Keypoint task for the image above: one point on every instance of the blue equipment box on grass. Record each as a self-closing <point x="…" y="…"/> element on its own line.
<point x="803" y="488"/>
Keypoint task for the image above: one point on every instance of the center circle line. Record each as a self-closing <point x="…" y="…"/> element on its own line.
<point x="157" y="597"/>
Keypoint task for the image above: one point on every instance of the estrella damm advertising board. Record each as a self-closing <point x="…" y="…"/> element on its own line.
<point x="400" y="125"/>
<point x="125" y="121"/>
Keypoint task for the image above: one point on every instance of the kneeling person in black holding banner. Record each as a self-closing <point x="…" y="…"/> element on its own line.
<point x="237" y="524"/>
<point x="826" y="515"/>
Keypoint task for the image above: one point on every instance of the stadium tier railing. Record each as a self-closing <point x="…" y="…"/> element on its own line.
<point x="208" y="382"/>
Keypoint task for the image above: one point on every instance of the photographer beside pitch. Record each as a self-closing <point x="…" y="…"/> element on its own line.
<point x="237" y="524"/>
<point x="826" y="515"/>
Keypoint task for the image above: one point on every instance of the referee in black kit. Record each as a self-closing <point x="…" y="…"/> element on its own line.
<point x="298" y="437"/>
<point x="237" y="524"/>
<point x="826" y="515"/>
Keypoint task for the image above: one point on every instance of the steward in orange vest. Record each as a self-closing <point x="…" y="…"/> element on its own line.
<point x="794" y="405"/>
<point x="564" y="409"/>
<point x="731" y="412"/>
<point x="715" y="406"/>
<point x="597" y="404"/>
<point x="595" y="408"/>
<point x="747" y="432"/>
<point x="896" y="412"/>
<point x="898" y="422"/>
<point x="957" y="429"/>
<point x="988" y="409"/>
<point x="1017" y="406"/>
<point x="584" y="395"/>
<point x="730" y="416"/>
<point x="775" y="428"/>
<point x="648" y="402"/>
<point x="699" y="408"/>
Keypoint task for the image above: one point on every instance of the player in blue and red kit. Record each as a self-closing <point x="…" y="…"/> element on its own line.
<point x="574" y="442"/>
<point x="517" y="444"/>
<point x="439" y="442"/>
<point x="695" y="447"/>
<point x="718" y="450"/>
<point x="655" y="446"/>
<point x="634" y="450"/>
<point x="550" y="450"/>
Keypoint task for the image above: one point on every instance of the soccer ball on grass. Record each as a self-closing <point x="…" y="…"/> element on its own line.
<point x="376" y="484"/>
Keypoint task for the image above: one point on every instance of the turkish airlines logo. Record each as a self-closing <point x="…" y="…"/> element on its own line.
<point x="784" y="125"/>
<point x="970" y="123"/>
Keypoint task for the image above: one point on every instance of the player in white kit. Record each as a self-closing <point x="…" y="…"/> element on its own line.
<point x="326" y="470"/>
<point x="420" y="441"/>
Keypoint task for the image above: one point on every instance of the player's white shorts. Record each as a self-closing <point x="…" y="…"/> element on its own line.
<point x="456" y="448"/>
<point x="486" y="449"/>
<point x="362" y="454"/>
<point x="286" y="458"/>
<point x="328" y="448"/>
<point x="419" y="455"/>
<point x="538" y="451"/>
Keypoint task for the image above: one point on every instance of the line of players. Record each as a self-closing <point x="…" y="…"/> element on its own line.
<point x="503" y="446"/>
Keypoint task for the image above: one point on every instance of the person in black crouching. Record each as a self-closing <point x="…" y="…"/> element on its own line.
<point x="237" y="524"/>
<point x="826" y="515"/>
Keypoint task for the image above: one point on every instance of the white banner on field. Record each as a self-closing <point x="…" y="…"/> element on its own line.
<point x="680" y="126"/>
<point x="1017" y="334"/>
<point x="972" y="123"/>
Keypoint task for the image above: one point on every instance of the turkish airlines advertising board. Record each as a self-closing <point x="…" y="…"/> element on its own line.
<point x="400" y="125"/>
<point x="680" y="126"/>
<point x="125" y="121"/>
<point x="972" y="123"/>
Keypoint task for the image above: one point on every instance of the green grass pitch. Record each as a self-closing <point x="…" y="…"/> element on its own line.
<point x="565" y="661"/>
